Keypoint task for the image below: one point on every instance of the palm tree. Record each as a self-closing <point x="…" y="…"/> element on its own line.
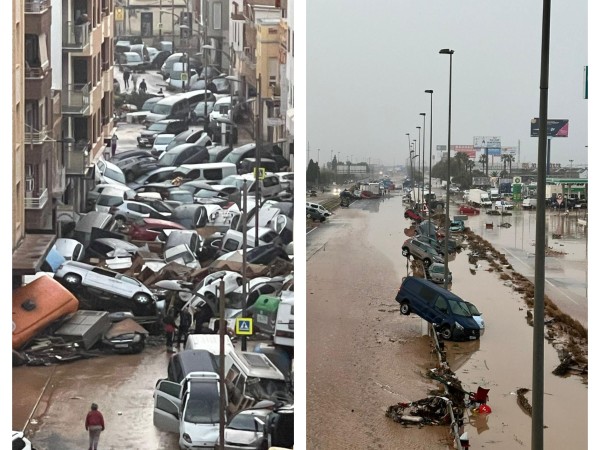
<point x="482" y="162"/>
<point x="462" y="159"/>
<point x="511" y="159"/>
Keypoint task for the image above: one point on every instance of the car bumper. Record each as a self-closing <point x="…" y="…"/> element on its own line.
<point x="145" y="142"/>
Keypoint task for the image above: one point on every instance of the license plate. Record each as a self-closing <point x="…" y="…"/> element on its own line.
<point x="472" y="337"/>
<point x="121" y="345"/>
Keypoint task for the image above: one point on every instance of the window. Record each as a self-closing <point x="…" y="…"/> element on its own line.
<point x="217" y="16"/>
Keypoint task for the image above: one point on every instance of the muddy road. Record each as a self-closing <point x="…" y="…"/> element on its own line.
<point x="363" y="356"/>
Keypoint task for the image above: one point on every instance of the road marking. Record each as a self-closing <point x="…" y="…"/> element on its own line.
<point x="550" y="283"/>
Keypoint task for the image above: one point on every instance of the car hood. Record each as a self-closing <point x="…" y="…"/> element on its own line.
<point x="202" y="434"/>
<point x="469" y="323"/>
<point x="241" y="437"/>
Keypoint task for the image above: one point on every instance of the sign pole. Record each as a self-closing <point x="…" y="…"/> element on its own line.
<point x="548" y="157"/>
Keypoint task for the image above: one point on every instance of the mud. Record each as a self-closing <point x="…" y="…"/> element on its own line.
<point x="364" y="252"/>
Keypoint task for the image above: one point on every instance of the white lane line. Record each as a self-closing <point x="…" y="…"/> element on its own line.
<point x="550" y="283"/>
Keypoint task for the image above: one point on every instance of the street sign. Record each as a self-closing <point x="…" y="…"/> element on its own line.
<point x="119" y="14"/>
<point x="262" y="172"/>
<point x="243" y="326"/>
<point x="554" y="127"/>
<point x="183" y="76"/>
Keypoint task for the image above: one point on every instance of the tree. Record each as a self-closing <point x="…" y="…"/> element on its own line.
<point x="312" y="172"/>
<point x="462" y="159"/>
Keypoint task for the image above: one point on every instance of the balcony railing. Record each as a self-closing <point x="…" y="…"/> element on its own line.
<point x="75" y="37"/>
<point x="36" y="200"/>
<point x="36" y="72"/>
<point x="34" y="136"/>
<point x="76" y="99"/>
<point x="36" y="6"/>
<point x="76" y="158"/>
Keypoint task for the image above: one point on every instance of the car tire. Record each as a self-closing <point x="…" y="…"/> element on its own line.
<point x="72" y="279"/>
<point x="141" y="298"/>
<point x="446" y="332"/>
<point x="405" y="308"/>
<point x="405" y="252"/>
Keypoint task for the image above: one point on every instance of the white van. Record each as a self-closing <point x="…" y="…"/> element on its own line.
<point x="206" y="171"/>
<point x="319" y="208"/>
<point x="284" y="324"/>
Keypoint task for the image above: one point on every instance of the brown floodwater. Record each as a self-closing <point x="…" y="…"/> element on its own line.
<point x="355" y="261"/>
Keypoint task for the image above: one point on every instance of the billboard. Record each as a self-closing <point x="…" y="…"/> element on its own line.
<point x="509" y="151"/>
<point x="489" y="142"/>
<point x="554" y="127"/>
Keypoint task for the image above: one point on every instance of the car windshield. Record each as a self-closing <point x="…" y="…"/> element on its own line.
<point x="199" y="109"/>
<point x="244" y="422"/>
<point x="459" y="308"/>
<point x="161" y="109"/>
<point x="157" y="127"/>
<point x="161" y="139"/>
<point x="114" y="175"/>
<point x="167" y="159"/>
<point x="109" y="200"/>
<point x="149" y="104"/>
<point x="473" y="309"/>
<point x="203" y="403"/>
<point x="266" y="388"/>
<point x="232" y="157"/>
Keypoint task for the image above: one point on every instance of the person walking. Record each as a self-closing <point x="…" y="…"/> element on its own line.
<point x="113" y="145"/>
<point x="143" y="86"/>
<point x="126" y="75"/>
<point x="185" y="322"/>
<point x="134" y="79"/>
<point x="169" y="327"/>
<point x="94" y="424"/>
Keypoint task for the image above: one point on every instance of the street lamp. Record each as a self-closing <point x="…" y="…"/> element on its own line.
<point x="447" y="51"/>
<point x="429" y="91"/>
<point x="409" y="148"/>
<point x="415" y="149"/>
<point x="423" y="158"/>
<point x="419" y="167"/>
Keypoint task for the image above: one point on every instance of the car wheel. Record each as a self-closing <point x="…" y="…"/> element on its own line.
<point x="405" y="252"/>
<point x="426" y="262"/>
<point x="142" y="299"/>
<point x="405" y="308"/>
<point x="72" y="279"/>
<point x="446" y="332"/>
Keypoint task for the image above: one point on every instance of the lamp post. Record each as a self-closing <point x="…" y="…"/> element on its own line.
<point x="429" y="91"/>
<point x="419" y="167"/>
<point x="409" y="148"/>
<point x="423" y="158"/>
<point x="416" y="154"/>
<point x="447" y="51"/>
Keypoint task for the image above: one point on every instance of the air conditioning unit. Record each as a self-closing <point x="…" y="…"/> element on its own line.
<point x="516" y="180"/>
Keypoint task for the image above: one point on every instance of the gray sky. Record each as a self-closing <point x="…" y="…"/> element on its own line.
<point x="369" y="63"/>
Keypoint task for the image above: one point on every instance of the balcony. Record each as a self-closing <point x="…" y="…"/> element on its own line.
<point x="36" y="6"/>
<point x="75" y="37"/>
<point x="76" y="99"/>
<point x="36" y="199"/>
<point x="77" y="158"/>
<point x="38" y="82"/>
<point x="33" y="136"/>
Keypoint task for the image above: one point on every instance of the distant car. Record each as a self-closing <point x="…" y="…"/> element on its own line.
<point x="151" y="229"/>
<point x="422" y="251"/>
<point x="130" y="210"/>
<point x="413" y="215"/>
<point x="131" y="60"/>
<point x="503" y="205"/>
<point x="319" y="208"/>
<point x="158" y="175"/>
<point x="457" y="226"/>
<point x="435" y="273"/>
<point x="147" y="136"/>
<point x="468" y="209"/>
<point x="243" y="428"/>
<point x="160" y="143"/>
<point x="201" y="112"/>
<point x="315" y="214"/>
<point x="99" y="281"/>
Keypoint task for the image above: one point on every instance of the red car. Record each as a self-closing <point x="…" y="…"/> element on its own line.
<point x="468" y="209"/>
<point x="413" y="215"/>
<point x="150" y="229"/>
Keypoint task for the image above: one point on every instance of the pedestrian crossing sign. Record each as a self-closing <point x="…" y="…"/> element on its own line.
<point x="243" y="326"/>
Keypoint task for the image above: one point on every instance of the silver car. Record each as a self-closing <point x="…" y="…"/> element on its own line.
<point x="421" y="251"/>
<point x="246" y="428"/>
<point x="75" y="275"/>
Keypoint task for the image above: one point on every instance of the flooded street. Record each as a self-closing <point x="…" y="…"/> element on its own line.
<point x="58" y="398"/>
<point x="360" y="338"/>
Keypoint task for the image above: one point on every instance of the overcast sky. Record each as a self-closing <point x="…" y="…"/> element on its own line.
<point x="369" y="63"/>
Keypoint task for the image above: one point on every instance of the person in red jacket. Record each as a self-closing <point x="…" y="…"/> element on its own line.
<point x="94" y="423"/>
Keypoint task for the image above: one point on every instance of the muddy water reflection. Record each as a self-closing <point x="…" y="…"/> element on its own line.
<point x="501" y="360"/>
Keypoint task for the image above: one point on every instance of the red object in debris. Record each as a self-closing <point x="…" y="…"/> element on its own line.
<point x="485" y="409"/>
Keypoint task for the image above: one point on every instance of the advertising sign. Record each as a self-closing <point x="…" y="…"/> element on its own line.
<point x="517" y="195"/>
<point x="509" y="151"/>
<point x="554" y="127"/>
<point x="489" y="142"/>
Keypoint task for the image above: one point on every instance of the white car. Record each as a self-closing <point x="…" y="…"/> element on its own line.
<point x="319" y="208"/>
<point x="74" y="274"/>
<point x="20" y="442"/>
<point x="160" y="143"/>
<point x="286" y="179"/>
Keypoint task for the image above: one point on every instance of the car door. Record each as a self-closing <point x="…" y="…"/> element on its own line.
<point x="167" y="406"/>
<point x="440" y="311"/>
<point x="136" y="211"/>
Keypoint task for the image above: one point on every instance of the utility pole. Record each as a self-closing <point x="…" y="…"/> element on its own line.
<point x="222" y="363"/>
<point x="258" y="152"/>
<point x="244" y="245"/>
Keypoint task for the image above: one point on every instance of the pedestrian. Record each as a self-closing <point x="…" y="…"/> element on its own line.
<point x="143" y="87"/>
<point x="185" y="322"/>
<point x="126" y="75"/>
<point x="134" y="79"/>
<point x="169" y="327"/>
<point x="113" y="145"/>
<point x="201" y="316"/>
<point x="94" y="424"/>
